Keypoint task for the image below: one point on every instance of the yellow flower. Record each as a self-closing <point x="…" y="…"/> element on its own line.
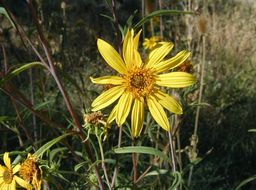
<point x="30" y="172"/>
<point x="151" y="42"/>
<point x="8" y="178"/>
<point x="138" y="83"/>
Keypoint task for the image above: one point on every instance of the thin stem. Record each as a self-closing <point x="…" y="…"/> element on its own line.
<point x="174" y="169"/>
<point x="116" y="167"/>
<point x="172" y="152"/>
<point x="147" y="170"/>
<point x="198" y="107"/>
<point x="179" y="148"/>
<point x="33" y="102"/>
<point x="161" y="20"/>
<point x="116" y="23"/>
<point x="142" y="16"/>
<point x="135" y="164"/>
<point x="102" y="157"/>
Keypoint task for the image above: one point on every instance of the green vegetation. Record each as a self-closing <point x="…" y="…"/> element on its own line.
<point x="48" y="54"/>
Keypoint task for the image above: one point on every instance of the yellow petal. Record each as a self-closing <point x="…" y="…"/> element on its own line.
<point x="175" y="79"/>
<point x="16" y="169"/>
<point x="112" y="115"/>
<point x="123" y="108"/>
<point x="2" y="169"/>
<point x="158" y="54"/>
<point x="107" y="98"/>
<point x="137" y="117"/>
<point x="22" y="182"/>
<point x="169" y="102"/>
<point x="4" y="186"/>
<point x="130" y="53"/>
<point x="111" y="56"/>
<point x="115" y="80"/>
<point x="172" y="62"/>
<point x="13" y="185"/>
<point x="136" y="40"/>
<point x="7" y="160"/>
<point x="128" y="48"/>
<point x="158" y="113"/>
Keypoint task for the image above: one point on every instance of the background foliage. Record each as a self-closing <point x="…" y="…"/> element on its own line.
<point x="72" y="28"/>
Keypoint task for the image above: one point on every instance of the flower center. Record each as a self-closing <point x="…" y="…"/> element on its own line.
<point x="139" y="81"/>
<point x="7" y="176"/>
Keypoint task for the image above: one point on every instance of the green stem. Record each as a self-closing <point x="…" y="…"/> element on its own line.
<point x="102" y="157"/>
<point x="116" y="167"/>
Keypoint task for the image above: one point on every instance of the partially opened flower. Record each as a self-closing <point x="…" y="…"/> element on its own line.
<point x="31" y="172"/>
<point x="138" y="83"/>
<point x="150" y="43"/>
<point x="8" y="177"/>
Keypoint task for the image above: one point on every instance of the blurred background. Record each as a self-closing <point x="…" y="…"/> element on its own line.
<point x="224" y="31"/>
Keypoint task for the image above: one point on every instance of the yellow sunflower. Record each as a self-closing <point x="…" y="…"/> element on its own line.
<point x="150" y="43"/>
<point x="138" y="83"/>
<point x="8" y="179"/>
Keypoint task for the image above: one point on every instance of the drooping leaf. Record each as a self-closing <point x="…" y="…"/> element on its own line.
<point x="177" y="181"/>
<point x="18" y="71"/>
<point x="45" y="147"/>
<point x="159" y="13"/>
<point x="56" y="151"/>
<point x="244" y="182"/>
<point x="4" y="12"/>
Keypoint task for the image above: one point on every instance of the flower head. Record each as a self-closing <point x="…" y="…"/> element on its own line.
<point x="30" y="172"/>
<point x="8" y="177"/>
<point x="94" y="118"/>
<point x="150" y="43"/>
<point x="138" y="83"/>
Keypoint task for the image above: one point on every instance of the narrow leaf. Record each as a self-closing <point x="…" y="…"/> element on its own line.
<point x="4" y="12"/>
<point x="142" y="150"/>
<point x="159" y="13"/>
<point x="18" y="71"/>
<point x="45" y="147"/>
<point x="177" y="180"/>
<point x="157" y="172"/>
<point x="244" y="182"/>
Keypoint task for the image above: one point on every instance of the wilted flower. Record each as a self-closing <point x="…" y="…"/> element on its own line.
<point x="30" y="172"/>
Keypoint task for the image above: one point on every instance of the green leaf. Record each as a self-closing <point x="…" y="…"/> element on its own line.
<point x="252" y="130"/>
<point x="177" y="180"/>
<point x="245" y="182"/>
<point x="5" y="118"/>
<point x="157" y="172"/>
<point x="142" y="150"/>
<point x="78" y="166"/>
<point x="108" y="17"/>
<point x="45" y="147"/>
<point x="18" y="71"/>
<point x="55" y="151"/>
<point x="200" y="104"/>
<point x="4" y="12"/>
<point x="159" y="13"/>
